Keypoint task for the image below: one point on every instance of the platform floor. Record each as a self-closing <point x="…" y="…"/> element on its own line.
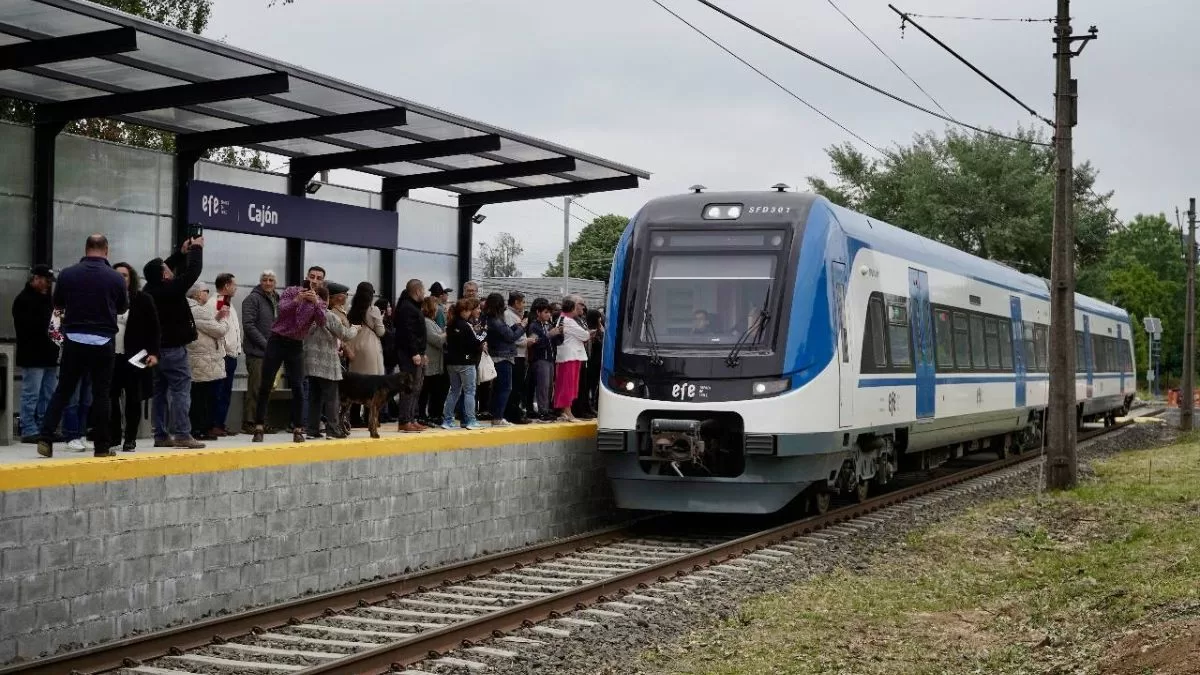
<point x="21" y="453"/>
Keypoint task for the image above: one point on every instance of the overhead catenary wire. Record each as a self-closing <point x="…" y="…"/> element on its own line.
<point x="767" y="77"/>
<point x="860" y="81"/>
<point x="983" y="18"/>
<point x="887" y="56"/>
<point x="907" y="18"/>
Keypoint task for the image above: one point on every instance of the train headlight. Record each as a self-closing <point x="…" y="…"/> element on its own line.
<point x="769" y="387"/>
<point x="723" y="212"/>
<point x="624" y="385"/>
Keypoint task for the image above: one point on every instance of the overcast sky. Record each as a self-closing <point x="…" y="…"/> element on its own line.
<point x="624" y="80"/>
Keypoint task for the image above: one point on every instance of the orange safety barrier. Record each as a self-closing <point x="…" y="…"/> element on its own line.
<point x="1173" y="398"/>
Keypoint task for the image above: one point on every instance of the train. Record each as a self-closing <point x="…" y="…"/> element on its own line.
<point x="772" y="349"/>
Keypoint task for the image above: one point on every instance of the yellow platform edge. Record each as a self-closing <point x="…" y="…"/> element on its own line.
<point x="51" y="473"/>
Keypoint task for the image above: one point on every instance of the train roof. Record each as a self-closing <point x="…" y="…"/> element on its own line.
<point x="879" y="235"/>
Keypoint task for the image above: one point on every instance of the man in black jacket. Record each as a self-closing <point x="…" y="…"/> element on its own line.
<point x="410" y="350"/>
<point x="168" y="281"/>
<point x="37" y="355"/>
<point x="91" y="295"/>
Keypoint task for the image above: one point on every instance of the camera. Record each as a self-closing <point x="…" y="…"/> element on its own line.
<point x="195" y="231"/>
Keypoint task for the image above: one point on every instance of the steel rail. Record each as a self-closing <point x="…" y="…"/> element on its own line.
<point x="435" y="643"/>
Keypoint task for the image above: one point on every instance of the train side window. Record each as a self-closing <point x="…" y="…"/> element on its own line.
<point x="876" y="358"/>
<point x="1006" y="360"/>
<point x="1110" y="360"/>
<point x="1027" y="347"/>
<point x="1126" y="360"/>
<point x="1039" y="338"/>
<point x="1080" y="361"/>
<point x="962" y="343"/>
<point x="978" y="353"/>
<point x="945" y="340"/>
<point x="898" y="335"/>
<point x="992" y="342"/>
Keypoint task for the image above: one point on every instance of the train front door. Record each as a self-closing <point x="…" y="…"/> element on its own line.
<point x="921" y="321"/>
<point x="846" y="386"/>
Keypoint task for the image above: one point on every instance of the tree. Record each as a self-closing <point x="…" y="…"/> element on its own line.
<point x="592" y="251"/>
<point x="187" y="15"/>
<point x="989" y="196"/>
<point x="500" y="259"/>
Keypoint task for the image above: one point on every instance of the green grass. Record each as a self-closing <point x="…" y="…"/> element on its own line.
<point x="1018" y="586"/>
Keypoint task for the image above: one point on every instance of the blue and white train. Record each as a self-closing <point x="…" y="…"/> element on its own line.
<point x="772" y="348"/>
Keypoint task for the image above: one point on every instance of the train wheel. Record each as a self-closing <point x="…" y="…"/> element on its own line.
<point x="820" y="502"/>
<point x="862" y="491"/>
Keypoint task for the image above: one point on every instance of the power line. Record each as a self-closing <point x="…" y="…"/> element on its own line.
<point x="576" y="217"/>
<point x="860" y="81"/>
<point x="886" y="56"/>
<point x="981" y="18"/>
<point x="906" y="18"/>
<point x="767" y="77"/>
<point x="578" y="203"/>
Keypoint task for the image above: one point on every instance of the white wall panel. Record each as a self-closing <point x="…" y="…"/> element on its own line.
<point x="428" y="227"/>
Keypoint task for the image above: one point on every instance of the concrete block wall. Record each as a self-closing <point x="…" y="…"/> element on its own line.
<point x="91" y="562"/>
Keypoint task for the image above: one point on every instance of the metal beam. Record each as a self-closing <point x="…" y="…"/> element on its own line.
<point x="580" y="187"/>
<point x="482" y="173"/>
<point x="354" y="159"/>
<point x="466" y="243"/>
<point x="166" y="97"/>
<point x="293" y="272"/>
<point x="45" y="137"/>
<point x="68" y="48"/>
<point x="185" y="171"/>
<point x="282" y="131"/>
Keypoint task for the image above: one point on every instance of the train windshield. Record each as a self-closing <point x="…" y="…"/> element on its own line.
<point x="699" y="301"/>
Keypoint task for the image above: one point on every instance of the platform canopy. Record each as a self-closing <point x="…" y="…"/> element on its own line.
<point x="76" y="60"/>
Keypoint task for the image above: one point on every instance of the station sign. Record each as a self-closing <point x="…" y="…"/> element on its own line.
<point x="235" y="209"/>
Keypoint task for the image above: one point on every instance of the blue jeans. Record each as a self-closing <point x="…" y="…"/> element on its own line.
<point x="37" y="386"/>
<point x="462" y="382"/>
<point x="501" y="388"/>
<point x="223" y="394"/>
<point x="79" y="406"/>
<point x="172" y="394"/>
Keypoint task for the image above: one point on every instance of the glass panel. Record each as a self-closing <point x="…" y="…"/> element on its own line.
<point x="131" y="235"/>
<point x="429" y="127"/>
<point x="708" y="300"/>
<point x="945" y="339"/>
<point x="898" y="335"/>
<point x="344" y="264"/>
<point x="343" y="195"/>
<point x="540" y="179"/>
<point x="39" y="87"/>
<point x="483" y="186"/>
<point x="327" y="99"/>
<point x="992" y="343"/>
<point x="108" y="176"/>
<point x="876" y="331"/>
<point x="179" y="118"/>
<point x="16" y="231"/>
<point x="427" y="227"/>
<point x="428" y="268"/>
<point x="1006" y="360"/>
<point x="16" y="171"/>
<point x="373" y="139"/>
<point x="214" y="172"/>
<point x="245" y="256"/>
<point x="108" y="72"/>
<point x="526" y="153"/>
<point x="42" y="18"/>
<point x="198" y="62"/>
<point x="259" y="110"/>
<point x="593" y="171"/>
<point x="962" y="343"/>
<point x="978" y="355"/>
<point x="1039" y="339"/>
<point x="6" y="39"/>
<point x="305" y="146"/>
<point x="12" y="282"/>
<point x="1080" y="361"/>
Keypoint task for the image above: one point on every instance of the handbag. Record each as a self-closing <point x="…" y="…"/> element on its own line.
<point x="54" y="330"/>
<point x="487" y="368"/>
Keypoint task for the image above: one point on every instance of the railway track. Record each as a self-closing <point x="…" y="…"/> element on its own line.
<point x="420" y="618"/>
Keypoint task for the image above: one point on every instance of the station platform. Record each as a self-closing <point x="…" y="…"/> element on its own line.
<point x="94" y="549"/>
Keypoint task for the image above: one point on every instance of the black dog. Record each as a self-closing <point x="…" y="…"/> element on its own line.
<point x="373" y="391"/>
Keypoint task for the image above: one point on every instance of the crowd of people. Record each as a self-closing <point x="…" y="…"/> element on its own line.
<point x="95" y="342"/>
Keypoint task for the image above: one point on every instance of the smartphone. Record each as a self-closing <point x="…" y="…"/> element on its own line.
<point x="220" y="302"/>
<point x="195" y="231"/>
<point x="306" y="285"/>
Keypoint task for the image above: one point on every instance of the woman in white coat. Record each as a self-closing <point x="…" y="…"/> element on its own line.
<point x="572" y="354"/>
<point x="206" y="358"/>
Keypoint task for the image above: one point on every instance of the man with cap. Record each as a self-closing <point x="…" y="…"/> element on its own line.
<point x="37" y="354"/>
<point x="168" y="282"/>
<point x="91" y="295"/>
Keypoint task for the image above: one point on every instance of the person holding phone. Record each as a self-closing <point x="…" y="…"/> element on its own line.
<point x="541" y="357"/>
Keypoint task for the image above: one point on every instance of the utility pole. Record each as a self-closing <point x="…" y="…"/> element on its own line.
<point x="1061" y="460"/>
<point x="566" y="244"/>
<point x="1189" y="326"/>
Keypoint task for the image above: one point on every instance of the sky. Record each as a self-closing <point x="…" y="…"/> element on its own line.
<point x="624" y="80"/>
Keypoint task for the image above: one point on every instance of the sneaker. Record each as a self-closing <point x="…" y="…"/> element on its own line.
<point x="188" y="443"/>
<point x="77" y="445"/>
<point x="163" y="443"/>
<point x="298" y="436"/>
<point x="448" y="426"/>
<point x="45" y="448"/>
<point x="501" y="423"/>
<point x="473" y="426"/>
<point x="129" y="446"/>
<point x="258" y="434"/>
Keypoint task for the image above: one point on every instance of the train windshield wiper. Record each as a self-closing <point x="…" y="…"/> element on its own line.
<point x="652" y="337"/>
<point x="734" y="357"/>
